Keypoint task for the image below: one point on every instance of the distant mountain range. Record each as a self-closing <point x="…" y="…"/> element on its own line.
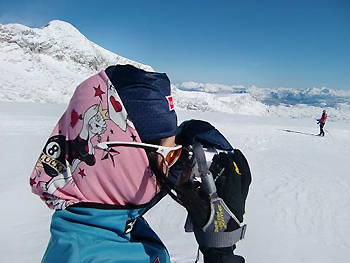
<point x="46" y="64"/>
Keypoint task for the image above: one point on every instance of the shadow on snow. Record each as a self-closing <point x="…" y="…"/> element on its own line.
<point x="305" y="133"/>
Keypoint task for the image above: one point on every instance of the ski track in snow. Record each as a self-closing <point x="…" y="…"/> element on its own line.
<point x="297" y="209"/>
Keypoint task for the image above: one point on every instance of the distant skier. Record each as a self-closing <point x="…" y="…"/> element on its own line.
<point x="322" y="122"/>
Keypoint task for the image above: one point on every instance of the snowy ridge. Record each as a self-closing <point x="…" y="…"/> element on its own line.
<point x="275" y="96"/>
<point x="46" y="64"/>
<point x="236" y="103"/>
<point x="286" y="102"/>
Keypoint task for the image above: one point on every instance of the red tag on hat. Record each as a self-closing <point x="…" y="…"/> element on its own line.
<point x="170" y="102"/>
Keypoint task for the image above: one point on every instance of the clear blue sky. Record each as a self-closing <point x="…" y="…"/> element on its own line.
<point x="267" y="43"/>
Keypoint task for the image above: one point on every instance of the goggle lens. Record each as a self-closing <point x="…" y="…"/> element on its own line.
<point x="172" y="157"/>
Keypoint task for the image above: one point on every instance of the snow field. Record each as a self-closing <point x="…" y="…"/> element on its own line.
<point x="297" y="208"/>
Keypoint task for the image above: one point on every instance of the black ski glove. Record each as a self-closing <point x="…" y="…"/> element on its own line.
<point x="232" y="174"/>
<point x="233" y="178"/>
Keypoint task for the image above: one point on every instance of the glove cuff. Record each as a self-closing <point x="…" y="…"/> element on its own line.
<point x="222" y="239"/>
<point x="215" y="233"/>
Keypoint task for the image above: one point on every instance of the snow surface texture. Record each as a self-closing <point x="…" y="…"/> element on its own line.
<point x="46" y="64"/>
<point x="297" y="209"/>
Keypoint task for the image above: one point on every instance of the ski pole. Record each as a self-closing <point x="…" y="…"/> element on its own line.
<point x="206" y="176"/>
<point x="328" y="132"/>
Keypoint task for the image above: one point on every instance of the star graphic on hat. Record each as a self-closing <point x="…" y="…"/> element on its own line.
<point x="82" y="172"/>
<point x="99" y="92"/>
<point x="133" y="137"/>
<point x="109" y="153"/>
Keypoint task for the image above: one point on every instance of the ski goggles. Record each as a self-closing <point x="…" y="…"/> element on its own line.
<point x="170" y="154"/>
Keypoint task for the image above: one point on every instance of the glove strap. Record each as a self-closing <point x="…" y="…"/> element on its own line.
<point x="222" y="239"/>
<point x="215" y="233"/>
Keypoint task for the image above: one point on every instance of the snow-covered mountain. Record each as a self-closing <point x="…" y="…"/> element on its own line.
<point x="46" y="64"/>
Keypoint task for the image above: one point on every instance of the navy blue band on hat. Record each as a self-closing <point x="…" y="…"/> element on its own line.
<point x="144" y="95"/>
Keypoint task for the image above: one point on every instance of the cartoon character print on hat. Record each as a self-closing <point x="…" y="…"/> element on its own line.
<point x="74" y="118"/>
<point x="59" y="152"/>
<point x="53" y="156"/>
<point x="81" y="148"/>
<point x="70" y="165"/>
<point x="116" y="109"/>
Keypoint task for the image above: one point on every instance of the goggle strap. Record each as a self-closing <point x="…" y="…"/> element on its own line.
<point x="162" y="150"/>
